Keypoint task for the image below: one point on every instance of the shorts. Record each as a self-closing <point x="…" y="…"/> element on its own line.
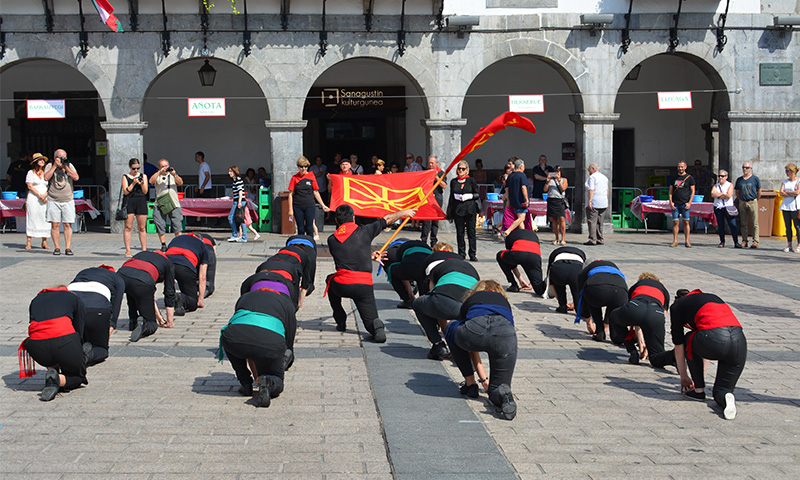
<point x="60" y="212"/>
<point x="680" y="212"/>
<point x="137" y="205"/>
<point x="175" y="220"/>
<point x="520" y="211"/>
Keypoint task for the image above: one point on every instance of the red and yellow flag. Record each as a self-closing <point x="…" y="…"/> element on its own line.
<point x="375" y="196"/>
<point x="508" y="119"/>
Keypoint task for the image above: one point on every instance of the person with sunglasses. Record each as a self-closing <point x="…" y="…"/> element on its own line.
<point x="748" y="192"/>
<point x="790" y="189"/>
<point x="303" y="190"/>
<point x="724" y="209"/>
<point x="134" y="188"/>
<point x="462" y="209"/>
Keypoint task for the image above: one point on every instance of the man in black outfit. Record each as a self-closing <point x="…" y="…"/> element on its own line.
<point x="350" y="247"/>
<point x="101" y="290"/>
<point x="189" y="255"/>
<point x="523" y="250"/>
<point x="563" y="267"/>
<point x="141" y="275"/>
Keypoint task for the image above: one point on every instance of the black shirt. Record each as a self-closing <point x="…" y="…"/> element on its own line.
<point x="187" y="250"/>
<point x="681" y="191"/>
<point x="699" y="311"/>
<point x="284" y="263"/>
<point x="54" y="303"/>
<point x="538" y="185"/>
<point x="268" y="276"/>
<point x="112" y="281"/>
<point x="649" y="290"/>
<point x="18" y="171"/>
<point x="454" y="291"/>
<point x="514" y="184"/>
<point x="351" y="245"/>
<point x="309" y="267"/>
<point x="270" y="303"/>
<point x="466" y="207"/>
<point x="163" y="268"/>
<point x="483" y="298"/>
<point x="600" y="278"/>
<point x="524" y="237"/>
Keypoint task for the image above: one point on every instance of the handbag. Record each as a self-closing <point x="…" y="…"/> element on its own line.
<point x="563" y="195"/>
<point x="732" y="210"/>
<point x="165" y="203"/>
<point x="122" y="210"/>
<point x="238" y="216"/>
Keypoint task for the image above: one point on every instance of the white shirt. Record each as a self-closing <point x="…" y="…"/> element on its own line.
<point x="599" y="183"/>
<point x="201" y="175"/>
<point x="720" y="202"/>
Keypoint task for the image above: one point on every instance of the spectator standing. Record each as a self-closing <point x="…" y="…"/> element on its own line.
<point x="320" y="172"/>
<point x="380" y="166"/>
<point x="36" y="225"/>
<point x="597" y="192"/>
<point x="135" y="187"/>
<point x="790" y="189"/>
<point x="703" y="178"/>
<point x="556" y="205"/>
<point x="432" y="226"/>
<point x="517" y="192"/>
<point x="263" y="177"/>
<point x="681" y="195"/>
<point x="748" y="192"/>
<point x="723" y="205"/>
<point x="354" y="166"/>
<point x="303" y="191"/>
<point x="17" y="172"/>
<point x="540" y="177"/>
<point x="60" y="176"/>
<point x="167" y="182"/>
<point x="148" y="168"/>
<point x="238" y="196"/>
<point x="479" y="174"/>
<point x="462" y="209"/>
<point x="411" y="164"/>
<point x="204" y="182"/>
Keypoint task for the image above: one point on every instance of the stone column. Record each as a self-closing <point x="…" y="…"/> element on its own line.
<point x="124" y="143"/>
<point x="594" y="141"/>
<point x="286" y="143"/>
<point x="769" y="140"/>
<point x="444" y="141"/>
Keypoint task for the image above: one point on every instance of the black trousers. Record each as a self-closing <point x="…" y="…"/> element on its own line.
<point x="724" y="217"/>
<point x="530" y="263"/>
<point x="412" y="272"/>
<point x="211" y="273"/>
<point x="595" y="297"/>
<point x="364" y="298"/>
<point x="563" y="273"/>
<point x="304" y="218"/>
<point x="63" y="353"/>
<point x="492" y="334"/>
<point x="430" y="227"/>
<point x="728" y="346"/>
<point x="141" y="302"/>
<point x="187" y="283"/>
<point x="649" y="316"/>
<point x="432" y="308"/>
<point x="267" y="356"/>
<point x="467" y="222"/>
<point x="95" y="331"/>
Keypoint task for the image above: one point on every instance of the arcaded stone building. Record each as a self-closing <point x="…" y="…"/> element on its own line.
<point x="386" y="77"/>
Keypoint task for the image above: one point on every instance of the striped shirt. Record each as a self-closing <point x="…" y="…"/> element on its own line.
<point x="238" y="186"/>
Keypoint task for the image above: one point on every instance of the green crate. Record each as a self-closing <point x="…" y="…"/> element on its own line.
<point x="150" y="206"/>
<point x="151" y="226"/>
<point x="264" y="197"/>
<point x="625" y="196"/>
<point x="662" y="194"/>
<point x="616" y="219"/>
<point x="629" y="220"/>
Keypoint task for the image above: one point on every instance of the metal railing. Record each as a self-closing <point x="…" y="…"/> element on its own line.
<point x="100" y="199"/>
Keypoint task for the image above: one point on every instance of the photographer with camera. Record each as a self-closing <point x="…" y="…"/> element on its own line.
<point x="60" y="175"/>
<point x="167" y="206"/>
<point x="135" y="187"/>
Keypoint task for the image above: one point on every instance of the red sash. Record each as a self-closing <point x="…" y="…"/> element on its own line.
<point x="711" y="315"/>
<point x="56" y="289"/>
<point x="527" y="246"/>
<point x="52" y="328"/>
<point x="144" y="266"/>
<point x="186" y="253"/>
<point x="284" y="274"/>
<point x="294" y="254"/>
<point x="344" y="231"/>
<point x="649" y="291"/>
<point x="349" y="277"/>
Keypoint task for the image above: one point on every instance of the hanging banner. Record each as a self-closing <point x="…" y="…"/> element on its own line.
<point x="674" y="100"/>
<point x="206" y="107"/>
<point x="526" y="103"/>
<point x="47" y="109"/>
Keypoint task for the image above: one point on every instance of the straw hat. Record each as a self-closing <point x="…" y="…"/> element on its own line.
<point x="37" y="156"/>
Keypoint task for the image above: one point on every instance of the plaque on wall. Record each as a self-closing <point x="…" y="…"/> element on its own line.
<point x="775" y="74"/>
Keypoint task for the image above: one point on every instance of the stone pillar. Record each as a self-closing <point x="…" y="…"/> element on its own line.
<point x="444" y="141"/>
<point x="124" y="143"/>
<point x="286" y="144"/>
<point x="594" y="141"/>
<point x="768" y="140"/>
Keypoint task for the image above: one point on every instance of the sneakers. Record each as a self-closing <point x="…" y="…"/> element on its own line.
<point x="233" y="238"/>
<point x="256" y="237"/>
<point x="504" y="400"/>
<point x="88" y="352"/>
<point x="246" y="390"/>
<point x="438" y="351"/>
<point x="180" y="310"/>
<point x="136" y="334"/>
<point x="561" y="310"/>
<point x="263" y="397"/>
<point x="341" y="327"/>
<point x="51" y="386"/>
<point x="380" y="335"/>
<point x="513" y="289"/>
<point x="729" y="412"/>
<point x="241" y="240"/>
<point x="164" y="247"/>
<point x="695" y="395"/>
<point x="469" y="390"/>
<point x="632" y="348"/>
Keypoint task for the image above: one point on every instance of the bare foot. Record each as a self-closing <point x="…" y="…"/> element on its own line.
<point x="28" y="246"/>
<point x="644" y="354"/>
<point x="590" y="327"/>
<point x="45" y="246"/>
<point x="526" y="287"/>
<point x="570" y="307"/>
<point x="168" y="324"/>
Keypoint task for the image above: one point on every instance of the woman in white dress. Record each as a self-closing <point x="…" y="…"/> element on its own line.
<point x="36" y="225"/>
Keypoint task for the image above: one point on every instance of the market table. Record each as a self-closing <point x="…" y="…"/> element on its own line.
<point x="212" y="207"/>
<point x="13" y="208"/>
<point x="536" y="207"/>
<point x="704" y="210"/>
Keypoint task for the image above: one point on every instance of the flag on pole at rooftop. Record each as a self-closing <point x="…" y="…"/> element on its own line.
<point x="106" y="12"/>
<point x="375" y="196"/>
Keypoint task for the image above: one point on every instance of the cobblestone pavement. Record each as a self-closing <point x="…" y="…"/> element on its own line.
<point x="165" y="408"/>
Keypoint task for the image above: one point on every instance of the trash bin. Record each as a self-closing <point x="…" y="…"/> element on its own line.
<point x="319" y="218"/>
<point x="287" y="225"/>
<point x="766" y="207"/>
<point x="778" y="228"/>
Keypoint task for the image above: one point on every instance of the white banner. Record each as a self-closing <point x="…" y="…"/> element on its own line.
<point x="674" y="100"/>
<point x="47" y="109"/>
<point x="206" y="107"/>
<point x="526" y="103"/>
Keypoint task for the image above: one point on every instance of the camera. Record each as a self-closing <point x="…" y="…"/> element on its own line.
<point x="64" y="161"/>
<point x="170" y="169"/>
<point x="552" y="174"/>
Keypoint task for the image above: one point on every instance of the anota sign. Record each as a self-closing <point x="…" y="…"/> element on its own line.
<point x="206" y="107"/>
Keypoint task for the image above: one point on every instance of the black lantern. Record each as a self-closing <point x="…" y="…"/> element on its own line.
<point x="207" y="75"/>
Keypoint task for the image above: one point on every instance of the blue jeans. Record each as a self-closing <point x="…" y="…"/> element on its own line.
<point x="234" y="231"/>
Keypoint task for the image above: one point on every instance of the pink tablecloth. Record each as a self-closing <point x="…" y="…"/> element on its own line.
<point x="212" y="207"/>
<point x="536" y="207"/>
<point x="13" y="208"/>
<point x="704" y="210"/>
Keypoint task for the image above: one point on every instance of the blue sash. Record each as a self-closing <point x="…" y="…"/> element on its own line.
<point x="600" y="269"/>
<point x="301" y="241"/>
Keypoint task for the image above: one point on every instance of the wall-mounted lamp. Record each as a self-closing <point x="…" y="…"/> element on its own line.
<point x="461" y="23"/>
<point x="207" y="75"/>
<point x="786" y="21"/>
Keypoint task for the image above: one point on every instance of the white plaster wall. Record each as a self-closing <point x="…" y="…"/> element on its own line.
<point x="478" y="7"/>
<point x="663" y="137"/>
<point x="240" y="138"/>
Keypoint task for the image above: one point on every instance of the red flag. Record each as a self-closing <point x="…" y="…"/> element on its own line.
<point x="106" y="12"/>
<point x="377" y="195"/>
<point x="508" y="119"/>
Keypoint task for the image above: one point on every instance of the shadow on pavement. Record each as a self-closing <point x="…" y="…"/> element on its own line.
<point x="220" y="384"/>
<point x="432" y="385"/>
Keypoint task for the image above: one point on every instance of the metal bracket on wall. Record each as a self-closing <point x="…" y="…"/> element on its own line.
<point x="133" y="11"/>
<point x="165" y="41"/>
<point x="368" y="14"/>
<point x="48" y="15"/>
<point x="285" y="14"/>
<point x="440" y="16"/>
<point x="720" y="30"/>
<point x="401" y="34"/>
<point x="83" y="36"/>
<point x="673" y="31"/>
<point x="204" y="22"/>
<point x="323" y="34"/>
<point x="626" y="32"/>
<point x="246" y="44"/>
<point x="2" y="40"/>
